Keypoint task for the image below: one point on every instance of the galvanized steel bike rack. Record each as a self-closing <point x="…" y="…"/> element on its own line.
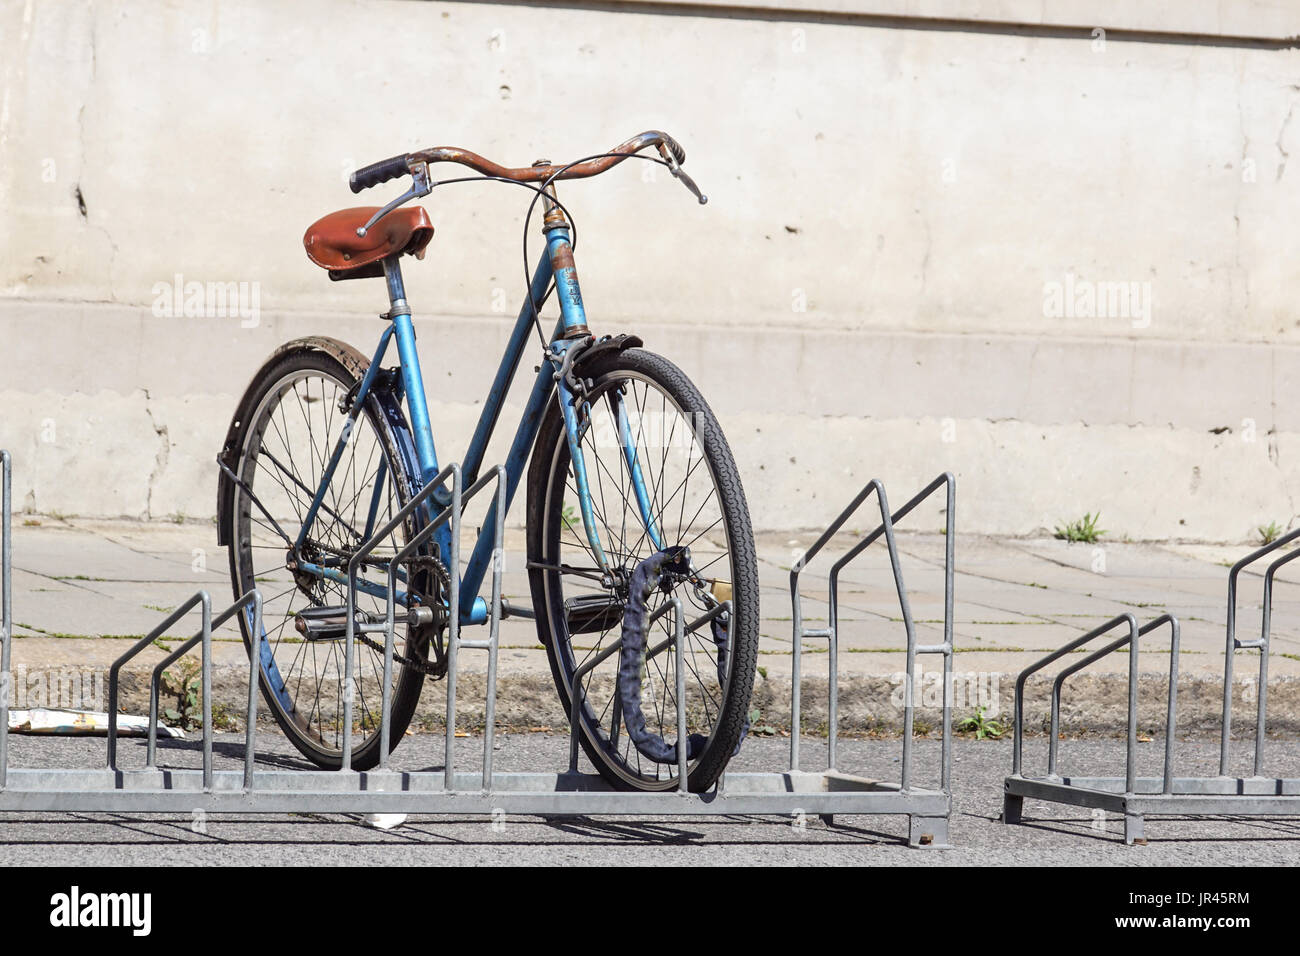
<point x="154" y="789"/>
<point x="1136" y="797"/>
<point x="927" y="808"/>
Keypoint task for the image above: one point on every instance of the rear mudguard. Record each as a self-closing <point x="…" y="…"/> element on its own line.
<point x="382" y="394"/>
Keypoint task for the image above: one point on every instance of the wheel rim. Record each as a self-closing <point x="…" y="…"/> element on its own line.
<point x="687" y="506"/>
<point x="291" y="435"/>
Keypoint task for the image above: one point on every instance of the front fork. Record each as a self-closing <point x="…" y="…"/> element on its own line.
<point x="574" y="404"/>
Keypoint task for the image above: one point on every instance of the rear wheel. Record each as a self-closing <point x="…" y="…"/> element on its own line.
<point x="291" y="419"/>
<point x="696" y="500"/>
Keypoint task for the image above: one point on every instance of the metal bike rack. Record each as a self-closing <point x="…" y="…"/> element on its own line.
<point x="927" y="808"/>
<point x="1136" y="797"/>
<point x="154" y="789"/>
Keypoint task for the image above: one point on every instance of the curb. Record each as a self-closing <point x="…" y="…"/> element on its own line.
<point x="868" y="704"/>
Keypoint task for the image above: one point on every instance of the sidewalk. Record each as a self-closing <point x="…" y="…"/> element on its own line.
<point x="84" y="588"/>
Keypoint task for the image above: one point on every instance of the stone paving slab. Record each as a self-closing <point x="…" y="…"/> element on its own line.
<point x="82" y="588"/>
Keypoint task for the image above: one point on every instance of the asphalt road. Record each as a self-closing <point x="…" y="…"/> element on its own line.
<point x="1050" y="835"/>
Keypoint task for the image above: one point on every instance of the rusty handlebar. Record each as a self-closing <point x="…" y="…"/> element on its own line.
<point x="387" y="169"/>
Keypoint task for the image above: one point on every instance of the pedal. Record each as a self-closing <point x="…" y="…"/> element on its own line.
<point x="593" y="613"/>
<point x="325" y="623"/>
<point x="331" y="623"/>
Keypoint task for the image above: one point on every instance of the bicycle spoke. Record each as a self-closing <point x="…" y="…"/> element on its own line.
<point x="292" y="437"/>
<point x="683" y="503"/>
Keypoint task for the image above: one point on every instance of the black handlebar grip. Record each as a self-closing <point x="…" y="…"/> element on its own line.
<point x="380" y="172"/>
<point x="675" y="148"/>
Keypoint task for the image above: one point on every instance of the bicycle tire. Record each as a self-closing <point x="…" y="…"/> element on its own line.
<point x="547" y="483"/>
<point x="384" y="419"/>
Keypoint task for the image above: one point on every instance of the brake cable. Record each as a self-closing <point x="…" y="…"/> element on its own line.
<point x="540" y="192"/>
<point x="573" y="224"/>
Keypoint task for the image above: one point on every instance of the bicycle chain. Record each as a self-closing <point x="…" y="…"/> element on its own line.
<point x="438" y="667"/>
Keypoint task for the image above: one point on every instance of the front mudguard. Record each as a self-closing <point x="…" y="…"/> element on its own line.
<point x="610" y="343"/>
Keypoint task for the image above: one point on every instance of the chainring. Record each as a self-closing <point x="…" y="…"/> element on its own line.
<point x="438" y="591"/>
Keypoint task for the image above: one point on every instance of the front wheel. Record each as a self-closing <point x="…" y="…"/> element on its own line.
<point x="640" y="400"/>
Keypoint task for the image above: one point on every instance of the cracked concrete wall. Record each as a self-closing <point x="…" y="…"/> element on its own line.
<point x="893" y="275"/>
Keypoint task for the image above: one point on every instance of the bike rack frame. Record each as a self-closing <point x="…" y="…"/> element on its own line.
<point x="155" y="789"/>
<point x="1136" y="797"/>
<point x="926" y="826"/>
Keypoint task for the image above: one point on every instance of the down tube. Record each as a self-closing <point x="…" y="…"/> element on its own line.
<point x="479" y="562"/>
<point x="487" y="422"/>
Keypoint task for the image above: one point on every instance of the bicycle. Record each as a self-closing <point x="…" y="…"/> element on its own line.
<point x="320" y="453"/>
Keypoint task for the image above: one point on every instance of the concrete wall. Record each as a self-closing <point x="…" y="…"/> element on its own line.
<point x="911" y="204"/>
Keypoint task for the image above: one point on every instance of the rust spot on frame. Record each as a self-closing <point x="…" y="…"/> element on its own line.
<point x="562" y="258"/>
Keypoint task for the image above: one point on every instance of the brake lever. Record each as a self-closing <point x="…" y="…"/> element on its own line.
<point x="680" y="174"/>
<point x="420" y="186"/>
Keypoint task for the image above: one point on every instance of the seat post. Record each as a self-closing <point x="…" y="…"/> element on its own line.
<point x="396" y="290"/>
<point x="412" y="382"/>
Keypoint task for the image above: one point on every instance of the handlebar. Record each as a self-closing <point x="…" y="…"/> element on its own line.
<point x="534" y="174"/>
<point x="380" y="172"/>
<point x="387" y="169"/>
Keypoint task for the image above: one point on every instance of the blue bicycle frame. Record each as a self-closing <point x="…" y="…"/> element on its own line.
<point x="555" y="263"/>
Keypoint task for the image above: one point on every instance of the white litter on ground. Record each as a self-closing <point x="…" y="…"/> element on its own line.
<point x="384" y="821"/>
<point x="81" y="723"/>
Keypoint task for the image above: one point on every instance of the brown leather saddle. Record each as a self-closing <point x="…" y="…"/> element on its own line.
<point x="332" y="242"/>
